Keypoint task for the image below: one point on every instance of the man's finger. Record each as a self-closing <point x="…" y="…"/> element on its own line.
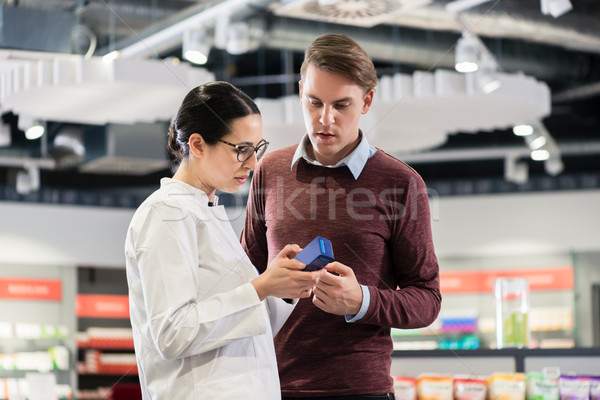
<point x="338" y="268"/>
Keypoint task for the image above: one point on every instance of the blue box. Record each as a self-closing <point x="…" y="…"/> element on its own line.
<point x="316" y="254"/>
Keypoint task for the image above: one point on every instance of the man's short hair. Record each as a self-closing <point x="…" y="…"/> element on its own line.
<point x="340" y="53"/>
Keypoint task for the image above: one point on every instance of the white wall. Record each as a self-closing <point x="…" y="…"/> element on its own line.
<point x="61" y="235"/>
<point x="511" y="224"/>
<point x="549" y="222"/>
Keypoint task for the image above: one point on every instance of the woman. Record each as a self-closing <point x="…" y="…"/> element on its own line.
<point x="201" y="327"/>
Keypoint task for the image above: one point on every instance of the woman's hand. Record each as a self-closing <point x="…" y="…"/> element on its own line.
<point x="284" y="277"/>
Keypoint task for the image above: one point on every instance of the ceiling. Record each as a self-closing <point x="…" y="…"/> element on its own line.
<point x="402" y="36"/>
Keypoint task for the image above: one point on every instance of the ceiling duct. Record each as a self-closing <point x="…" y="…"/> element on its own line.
<point x="138" y="149"/>
<point x="168" y="33"/>
<point x="520" y="20"/>
<point x="430" y="49"/>
<point x="420" y="33"/>
<point x="52" y="29"/>
<point x="348" y="12"/>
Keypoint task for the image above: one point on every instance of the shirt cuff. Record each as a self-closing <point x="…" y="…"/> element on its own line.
<point x="366" y="301"/>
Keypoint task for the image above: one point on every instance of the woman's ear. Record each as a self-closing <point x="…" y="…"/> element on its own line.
<point x="197" y="145"/>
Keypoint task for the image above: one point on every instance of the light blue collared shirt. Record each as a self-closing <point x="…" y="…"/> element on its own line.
<point x="355" y="162"/>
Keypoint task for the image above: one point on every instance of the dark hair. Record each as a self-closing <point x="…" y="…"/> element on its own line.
<point x="334" y="52"/>
<point x="208" y="110"/>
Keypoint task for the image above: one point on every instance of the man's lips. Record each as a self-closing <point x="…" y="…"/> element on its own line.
<point x="241" y="179"/>
<point x="326" y="134"/>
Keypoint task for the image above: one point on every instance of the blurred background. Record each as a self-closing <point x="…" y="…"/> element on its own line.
<point x="495" y="103"/>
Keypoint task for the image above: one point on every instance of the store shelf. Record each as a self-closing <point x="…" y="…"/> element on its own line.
<point x="37" y="328"/>
<point x="519" y="356"/>
<point x="105" y="351"/>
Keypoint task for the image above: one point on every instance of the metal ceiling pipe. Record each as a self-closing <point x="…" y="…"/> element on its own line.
<point x="168" y="33"/>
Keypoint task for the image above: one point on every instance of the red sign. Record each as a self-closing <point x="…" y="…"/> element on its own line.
<point x="102" y="306"/>
<point x="30" y="289"/>
<point x="560" y="278"/>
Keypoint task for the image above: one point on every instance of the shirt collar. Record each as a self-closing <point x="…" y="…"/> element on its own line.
<point x="171" y="181"/>
<point x="355" y="161"/>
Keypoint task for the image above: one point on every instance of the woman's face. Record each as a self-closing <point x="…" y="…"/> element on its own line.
<point x="224" y="171"/>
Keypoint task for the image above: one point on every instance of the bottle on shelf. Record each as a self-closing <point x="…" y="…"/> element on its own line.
<point x="512" y="308"/>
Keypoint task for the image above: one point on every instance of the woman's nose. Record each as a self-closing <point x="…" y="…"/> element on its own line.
<point x="251" y="162"/>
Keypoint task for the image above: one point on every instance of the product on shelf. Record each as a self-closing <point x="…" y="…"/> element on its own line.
<point x="55" y="358"/>
<point x="469" y="388"/>
<point x="416" y="345"/>
<point x="6" y="330"/>
<point x="33" y="331"/>
<point x="467" y="342"/>
<point x="459" y="321"/>
<point x="594" y="387"/>
<point x="97" y="362"/>
<point x="506" y="386"/>
<point x="18" y="388"/>
<point x="100" y="393"/>
<point x="512" y="308"/>
<point x="548" y="384"/>
<point x="574" y="387"/>
<point x="405" y="388"/>
<point x="541" y="386"/>
<point x="105" y="338"/>
<point x="434" y="387"/>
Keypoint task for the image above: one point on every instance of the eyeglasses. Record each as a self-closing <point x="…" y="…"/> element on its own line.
<point x="244" y="152"/>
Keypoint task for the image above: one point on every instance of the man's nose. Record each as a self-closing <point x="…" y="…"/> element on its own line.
<point x="327" y="117"/>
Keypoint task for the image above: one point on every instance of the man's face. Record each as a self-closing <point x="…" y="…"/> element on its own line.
<point x="332" y="104"/>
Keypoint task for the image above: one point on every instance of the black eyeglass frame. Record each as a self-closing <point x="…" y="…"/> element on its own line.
<point x="260" y="147"/>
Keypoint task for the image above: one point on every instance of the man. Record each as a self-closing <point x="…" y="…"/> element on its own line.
<point x="375" y="211"/>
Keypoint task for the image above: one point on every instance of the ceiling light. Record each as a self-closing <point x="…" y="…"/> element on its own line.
<point x="522" y="130"/>
<point x="35" y="132"/>
<point x="491" y="86"/>
<point x="514" y="170"/>
<point x="238" y="38"/>
<point x="554" y="165"/>
<point x="535" y="142"/>
<point x="28" y="180"/>
<point x="33" y="129"/>
<point x="487" y="75"/>
<point x="540" y="155"/>
<point x="543" y="147"/>
<point x="67" y="148"/>
<point x="556" y="8"/>
<point x="196" y="46"/>
<point x="467" y="54"/>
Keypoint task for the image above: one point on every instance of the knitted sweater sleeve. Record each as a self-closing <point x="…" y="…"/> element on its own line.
<point x="416" y="300"/>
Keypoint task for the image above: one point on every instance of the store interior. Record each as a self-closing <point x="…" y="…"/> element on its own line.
<point x="103" y="79"/>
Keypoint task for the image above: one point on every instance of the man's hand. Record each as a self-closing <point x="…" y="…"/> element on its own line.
<point x="284" y="277"/>
<point x="338" y="294"/>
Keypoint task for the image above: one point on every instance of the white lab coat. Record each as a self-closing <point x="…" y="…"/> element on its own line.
<point x="199" y="328"/>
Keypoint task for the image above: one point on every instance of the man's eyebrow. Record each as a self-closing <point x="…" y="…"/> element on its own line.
<point x="344" y="100"/>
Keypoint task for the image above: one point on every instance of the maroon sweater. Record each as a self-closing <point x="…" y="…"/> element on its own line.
<point x="379" y="225"/>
